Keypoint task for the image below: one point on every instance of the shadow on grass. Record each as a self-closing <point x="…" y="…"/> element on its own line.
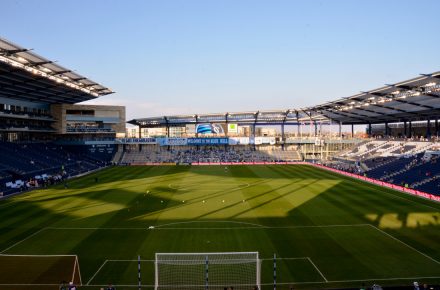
<point x="347" y="202"/>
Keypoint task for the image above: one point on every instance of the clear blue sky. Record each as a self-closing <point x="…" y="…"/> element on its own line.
<point x="170" y="57"/>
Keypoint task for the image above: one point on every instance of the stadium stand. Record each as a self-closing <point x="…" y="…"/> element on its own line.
<point x="40" y="160"/>
<point x="413" y="164"/>
<point x="45" y="136"/>
<point x="190" y="155"/>
<point x="50" y="131"/>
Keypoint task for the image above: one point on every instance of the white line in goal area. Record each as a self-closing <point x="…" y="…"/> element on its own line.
<point x="96" y="273"/>
<point x="317" y="269"/>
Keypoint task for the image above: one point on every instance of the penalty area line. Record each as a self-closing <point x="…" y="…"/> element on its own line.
<point x="355" y="280"/>
<point x="317" y="269"/>
<point x="21" y="241"/>
<point x="402" y="242"/>
<point x="96" y="273"/>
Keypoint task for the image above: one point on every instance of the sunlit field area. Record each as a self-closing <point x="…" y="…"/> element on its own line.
<point x="325" y="230"/>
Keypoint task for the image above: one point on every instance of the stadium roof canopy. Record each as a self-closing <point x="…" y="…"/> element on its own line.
<point x="25" y="75"/>
<point x="415" y="99"/>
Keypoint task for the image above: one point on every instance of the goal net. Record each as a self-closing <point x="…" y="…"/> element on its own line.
<point x="237" y="270"/>
<point x="39" y="269"/>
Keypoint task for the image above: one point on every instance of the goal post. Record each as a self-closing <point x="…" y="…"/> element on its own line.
<point x="40" y="269"/>
<point x="239" y="270"/>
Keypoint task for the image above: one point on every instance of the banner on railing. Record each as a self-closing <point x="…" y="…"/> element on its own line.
<point x="136" y="141"/>
<point x="382" y="183"/>
<point x="208" y="141"/>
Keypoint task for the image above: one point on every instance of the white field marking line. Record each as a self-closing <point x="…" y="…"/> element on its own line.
<point x="36" y="256"/>
<point x="402" y="242"/>
<point x="130" y="260"/>
<point x="240" y="186"/>
<point x="163" y="227"/>
<point x="92" y="228"/>
<point x="190" y="222"/>
<point x="96" y="273"/>
<point x="126" y="285"/>
<point x="254" y="227"/>
<point x="29" y="284"/>
<point x="264" y="284"/>
<point x="317" y="269"/>
<point x="319" y="226"/>
<point x="28" y="237"/>
<point x="207" y="229"/>
<point x="356" y="280"/>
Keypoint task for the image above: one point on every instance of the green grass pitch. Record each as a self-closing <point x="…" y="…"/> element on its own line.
<point x="327" y="230"/>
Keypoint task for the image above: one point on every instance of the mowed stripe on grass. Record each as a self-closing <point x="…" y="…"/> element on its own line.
<point x="293" y="211"/>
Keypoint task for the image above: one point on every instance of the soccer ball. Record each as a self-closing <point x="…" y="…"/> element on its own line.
<point x="151" y="227"/>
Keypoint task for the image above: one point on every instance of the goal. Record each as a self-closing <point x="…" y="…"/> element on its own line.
<point x="39" y="269"/>
<point x="239" y="270"/>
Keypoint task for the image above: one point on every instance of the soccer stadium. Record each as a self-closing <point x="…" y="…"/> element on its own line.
<point x="338" y="195"/>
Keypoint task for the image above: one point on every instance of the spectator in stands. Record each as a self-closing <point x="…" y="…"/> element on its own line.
<point x="72" y="286"/>
<point x="416" y="286"/>
<point x="63" y="286"/>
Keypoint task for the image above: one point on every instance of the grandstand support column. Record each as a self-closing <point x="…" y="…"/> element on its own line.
<point x="340" y="129"/>
<point x="352" y="130"/>
<point x="369" y="130"/>
<point x="436" y="127"/>
<point x="320" y="128"/>
<point x="410" y="129"/>
<point x="316" y="128"/>
<point x="428" y="128"/>
<point x="404" y="129"/>
<point x="254" y="133"/>
<point x="140" y="132"/>
<point x="227" y="126"/>
<point x="282" y="135"/>
<point x="387" y="133"/>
